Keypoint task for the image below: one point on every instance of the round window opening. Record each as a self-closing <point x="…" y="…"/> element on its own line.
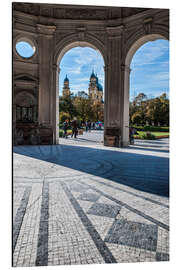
<point x="25" y="49"/>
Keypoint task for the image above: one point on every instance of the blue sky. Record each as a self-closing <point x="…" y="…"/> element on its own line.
<point x="149" y="68"/>
<point x="25" y="49"/>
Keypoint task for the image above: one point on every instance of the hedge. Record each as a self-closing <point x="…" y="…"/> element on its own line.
<point x="151" y="128"/>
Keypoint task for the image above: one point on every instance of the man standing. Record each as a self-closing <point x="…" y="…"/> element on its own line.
<point x="89" y="125"/>
<point x="74" y="128"/>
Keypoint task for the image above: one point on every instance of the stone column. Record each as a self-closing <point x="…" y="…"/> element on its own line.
<point x="55" y="108"/>
<point x="14" y="114"/>
<point x="125" y="71"/>
<point x="45" y="54"/>
<point x="114" y="95"/>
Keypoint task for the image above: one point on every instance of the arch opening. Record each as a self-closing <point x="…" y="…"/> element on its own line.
<point x="138" y="44"/>
<point x="75" y="44"/>
<point x="77" y="62"/>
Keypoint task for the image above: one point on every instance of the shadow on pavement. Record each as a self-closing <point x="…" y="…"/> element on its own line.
<point x="144" y="148"/>
<point x="147" y="173"/>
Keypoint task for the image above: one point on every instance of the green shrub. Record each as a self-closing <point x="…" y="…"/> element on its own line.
<point x="147" y="136"/>
<point x="151" y="128"/>
<point x="155" y="128"/>
<point x="69" y="132"/>
<point x="61" y="133"/>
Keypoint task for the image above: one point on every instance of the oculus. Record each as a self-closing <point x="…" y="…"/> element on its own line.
<point x="25" y="49"/>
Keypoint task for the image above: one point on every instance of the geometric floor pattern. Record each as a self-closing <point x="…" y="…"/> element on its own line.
<point x="77" y="204"/>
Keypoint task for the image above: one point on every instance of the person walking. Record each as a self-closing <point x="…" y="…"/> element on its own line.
<point x="86" y="125"/>
<point x="74" y="128"/>
<point x="100" y="125"/>
<point x="132" y="131"/>
<point x="65" y="127"/>
<point x="89" y="125"/>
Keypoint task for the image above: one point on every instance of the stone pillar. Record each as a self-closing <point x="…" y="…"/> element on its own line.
<point x="114" y="92"/>
<point x="125" y="70"/>
<point x="45" y="54"/>
<point x="14" y="114"/>
<point x="55" y="108"/>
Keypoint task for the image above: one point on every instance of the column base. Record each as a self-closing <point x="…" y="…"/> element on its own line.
<point x="124" y="144"/>
<point x="112" y="137"/>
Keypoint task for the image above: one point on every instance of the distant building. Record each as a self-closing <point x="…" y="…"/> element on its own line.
<point x="95" y="89"/>
<point x="66" y="89"/>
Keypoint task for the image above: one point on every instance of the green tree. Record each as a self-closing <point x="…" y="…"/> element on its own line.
<point x="98" y="112"/>
<point x="84" y="108"/>
<point x="63" y="116"/>
<point x="66" y="104"/>
<point x="136" y="118"/>
<point x="158" y="110"/>
<point x="138" y="109"/>
<point x="154" y="110"/>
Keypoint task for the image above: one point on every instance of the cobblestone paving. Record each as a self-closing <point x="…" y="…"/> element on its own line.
<point x="82" y="203"/>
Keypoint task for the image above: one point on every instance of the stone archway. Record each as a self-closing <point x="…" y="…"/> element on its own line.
<point x="63" y="47"/>
<point x="138" y="42"/>
<point x="114" y="31"/>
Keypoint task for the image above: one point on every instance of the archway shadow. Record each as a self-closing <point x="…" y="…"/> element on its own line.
<point x="148" y="173"/>
<point x="152" y="149"/>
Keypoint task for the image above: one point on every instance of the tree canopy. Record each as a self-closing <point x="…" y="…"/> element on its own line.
<point x="154" y="111"/>
<point x="80" y="106"/>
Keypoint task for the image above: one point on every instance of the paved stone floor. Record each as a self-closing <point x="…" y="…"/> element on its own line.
<point x="82" y="203"/>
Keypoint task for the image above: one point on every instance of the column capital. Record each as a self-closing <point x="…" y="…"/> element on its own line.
<point x="106" y="67"/>
<point x="125" y="68"/>
<point x="57" y="68"/>
<point x="45" y="29"/>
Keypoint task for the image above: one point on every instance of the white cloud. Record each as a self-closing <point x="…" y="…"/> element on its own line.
<point x="150" y="52"/>
<point x="159" y="77"/>
<point x="71" y="70"/>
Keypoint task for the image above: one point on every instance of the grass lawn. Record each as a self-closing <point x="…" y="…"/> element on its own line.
<point x="157" y="134"/>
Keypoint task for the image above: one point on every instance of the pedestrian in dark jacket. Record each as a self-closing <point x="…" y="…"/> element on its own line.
<point x="74" y="128"/>
<point x="65" y="127"/>
<point x="89" y="125"/>
<point x="86" y="125"/>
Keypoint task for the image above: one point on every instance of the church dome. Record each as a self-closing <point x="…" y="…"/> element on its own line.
<point x="66" y="79"/>
<point x="99" y="87"/>
<point x="93" y="75"/>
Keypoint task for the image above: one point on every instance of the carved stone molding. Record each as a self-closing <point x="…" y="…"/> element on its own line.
<point x="115" y="31"/>
<point x="147" y="25"/>
<point x="80" y="13"/>
<point x="46" y="11"/>
<point x="81" y="32"/>
<point x="45" y="29"/>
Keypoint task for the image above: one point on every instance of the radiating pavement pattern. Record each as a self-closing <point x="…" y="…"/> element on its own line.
<point x="83" y="203"/>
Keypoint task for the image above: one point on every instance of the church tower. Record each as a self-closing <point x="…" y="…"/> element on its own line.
<point x="66" y="89"/>
<point x="95" y="89"/>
